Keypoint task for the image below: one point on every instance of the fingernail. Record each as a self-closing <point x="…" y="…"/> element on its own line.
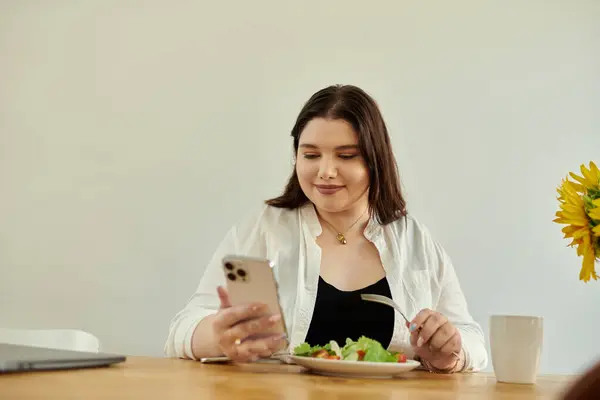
<point x="280" y="337"/>
<point x="274" y="318"/>
<point x="413" y="327"/>
<point x="420" y="342"/>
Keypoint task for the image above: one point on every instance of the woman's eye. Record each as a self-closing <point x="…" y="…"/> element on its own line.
<point x="347" y="156"/>
<point x="310" y="156"/>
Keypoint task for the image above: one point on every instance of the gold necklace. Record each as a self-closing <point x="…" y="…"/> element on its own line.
<point x="340" y="236"/>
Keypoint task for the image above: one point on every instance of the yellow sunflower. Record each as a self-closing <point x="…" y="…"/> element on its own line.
<point x="580" y="211"/>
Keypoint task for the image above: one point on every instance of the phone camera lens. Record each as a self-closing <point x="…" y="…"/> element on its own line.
<point x="231" y="276"/>
<point x="241" y="273"/>
<point x="229" y="266"/>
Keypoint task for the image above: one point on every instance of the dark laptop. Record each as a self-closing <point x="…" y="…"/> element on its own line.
<point x="15" y="358"/>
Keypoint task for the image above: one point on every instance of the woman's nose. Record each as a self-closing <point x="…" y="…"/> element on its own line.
<point x="327" y="168"/>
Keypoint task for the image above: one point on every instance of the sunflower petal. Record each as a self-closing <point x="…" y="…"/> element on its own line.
<point x="578" y="213"/>
<point x="578" y="187"/>
<point x="569" y="229"/>
<point x="574" y="209"/>
<point x="571" y="188"/>
<point x="587" y="175"/>
<point x="595" y="171"/>
<point x="573" y="198"/>
<point x="576" y="242"/>
<point x="577" y="221"/>
<point x="594" y="213"/>
<point x="582" y="233"/>
<point x="578" y="178"/>
<point x="587" y="269"/>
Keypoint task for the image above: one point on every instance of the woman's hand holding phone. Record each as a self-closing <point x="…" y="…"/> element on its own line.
<point x="241" y="331"/>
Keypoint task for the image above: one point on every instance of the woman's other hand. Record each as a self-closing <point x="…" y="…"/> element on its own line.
<point x="436" y="341"/>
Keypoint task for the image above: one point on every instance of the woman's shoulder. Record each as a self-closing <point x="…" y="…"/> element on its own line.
<point x="266" y="218"/>
<point x="414" y="237"/>
<point x="410" y="228"/>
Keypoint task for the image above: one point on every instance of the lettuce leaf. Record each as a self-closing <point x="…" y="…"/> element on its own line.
<point x="306" y="350"/>
<point x="350" y="347"/>
<point x="302" y="349"/>
<point x="373" y="350"/>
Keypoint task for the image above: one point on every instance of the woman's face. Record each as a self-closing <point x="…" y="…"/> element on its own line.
<point x="330" y="168"/>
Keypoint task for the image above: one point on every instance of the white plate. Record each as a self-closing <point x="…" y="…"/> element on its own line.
<point x="355" y="369"/>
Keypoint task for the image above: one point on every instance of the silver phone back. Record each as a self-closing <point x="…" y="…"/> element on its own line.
<point x="251" y="280"/>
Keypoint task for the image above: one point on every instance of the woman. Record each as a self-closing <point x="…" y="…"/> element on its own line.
<point x="339" y="229"/>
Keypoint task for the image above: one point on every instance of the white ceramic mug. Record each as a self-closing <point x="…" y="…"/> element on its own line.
<point x="516" y="344"/>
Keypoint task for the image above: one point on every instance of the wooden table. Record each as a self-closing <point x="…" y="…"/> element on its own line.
<point x="161" y="378"/>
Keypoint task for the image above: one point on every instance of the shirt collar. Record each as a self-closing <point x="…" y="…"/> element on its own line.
<point x="373" y="230"/>
<point x="310" y="216"/>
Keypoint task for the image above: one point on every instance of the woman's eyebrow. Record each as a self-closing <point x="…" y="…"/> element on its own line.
<point x="342" y="147"/>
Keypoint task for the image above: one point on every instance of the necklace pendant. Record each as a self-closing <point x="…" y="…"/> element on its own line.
<point x="341" y="238"/>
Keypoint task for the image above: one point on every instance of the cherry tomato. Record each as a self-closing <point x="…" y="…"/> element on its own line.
<point x="334" y="357"/>
<point x="321" y="354"/>
<point x="401" y="357"/>
<point x="361" y="355"/>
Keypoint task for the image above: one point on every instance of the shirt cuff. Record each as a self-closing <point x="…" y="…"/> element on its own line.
<point x="471" y="344"/>
<point x="180" y="341"/>
<point x="187" y="339"/>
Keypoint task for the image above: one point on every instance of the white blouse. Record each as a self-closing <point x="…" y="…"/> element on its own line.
<point x="419" y="272"/>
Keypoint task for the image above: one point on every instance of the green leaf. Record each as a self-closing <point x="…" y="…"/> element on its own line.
<point x="303" y="349"/>
<point x="594" y="193"/>
<point x="306" y="350"/>
<point x="350" y="347"/>
<point x="374" y="351"/>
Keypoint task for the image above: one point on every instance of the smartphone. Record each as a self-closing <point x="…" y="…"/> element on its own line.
<point x="251" y="280"/>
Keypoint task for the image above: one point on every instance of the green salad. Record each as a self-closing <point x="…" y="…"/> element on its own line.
<point x="364" y="349"/>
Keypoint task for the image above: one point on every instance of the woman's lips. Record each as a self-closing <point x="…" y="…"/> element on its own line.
<point x="328" y="189"/>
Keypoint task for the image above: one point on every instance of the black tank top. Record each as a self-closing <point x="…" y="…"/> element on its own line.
<point x="339" y="315"/>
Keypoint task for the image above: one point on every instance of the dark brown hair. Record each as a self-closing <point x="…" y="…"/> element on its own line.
<point x="356" y="107"/>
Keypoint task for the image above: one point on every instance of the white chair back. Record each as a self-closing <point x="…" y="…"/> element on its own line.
<point x="63" y="339"/>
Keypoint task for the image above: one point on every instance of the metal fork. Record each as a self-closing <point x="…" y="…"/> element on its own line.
<point x="376" y="298"/>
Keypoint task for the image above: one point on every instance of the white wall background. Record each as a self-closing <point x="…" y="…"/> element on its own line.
<point x="133" y="134"/>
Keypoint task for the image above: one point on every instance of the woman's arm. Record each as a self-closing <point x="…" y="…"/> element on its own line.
<point x="204" y="343"/>
<point x="190" y="334"/>
<point x="448" y="306"/>
<point x="453" y="305"/>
